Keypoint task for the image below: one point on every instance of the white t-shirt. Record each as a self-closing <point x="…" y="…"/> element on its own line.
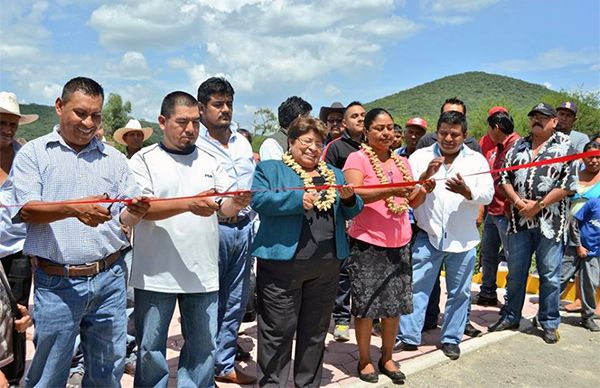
<point x="178" y="254"/>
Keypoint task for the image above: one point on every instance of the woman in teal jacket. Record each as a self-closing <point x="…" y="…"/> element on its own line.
<point x="299" y="245"/>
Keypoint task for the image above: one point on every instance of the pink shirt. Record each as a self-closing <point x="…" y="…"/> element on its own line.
<point x="375" y="224"/>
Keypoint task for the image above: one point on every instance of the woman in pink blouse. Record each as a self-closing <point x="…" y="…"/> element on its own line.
<point x="380" y="263"/>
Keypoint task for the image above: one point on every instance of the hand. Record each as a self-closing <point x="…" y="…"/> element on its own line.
<point x="403" y="192"/>
<point x="529" y="208"/>
<point x="308" y="199"/>
<point x="457" y="185"/>
<point x="126" y="231"/>
<point x="25" y="321"/>
<point x="92" y="214"/>
<point x="346" y="191"/>
<point x="433" y="167"/>
<point x="204" y="206"/>
<point x="242" y="200"/>
<point x="429" y="185"/>
<point x="138" y="207"/>
<point x="581" y="252"/>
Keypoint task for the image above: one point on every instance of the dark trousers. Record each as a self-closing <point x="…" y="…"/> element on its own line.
<point x="18" y="272"/>
<point x="341" y="309"/>
<point x="294" y="297"/>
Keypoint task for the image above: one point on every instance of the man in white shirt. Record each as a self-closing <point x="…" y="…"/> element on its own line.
<point x="275" y="145"/>
<point x="449" y="234"/>
<point x="233" y="152"/>
<point x="176" y="248"/>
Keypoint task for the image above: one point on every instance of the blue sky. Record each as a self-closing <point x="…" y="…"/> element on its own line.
<point x="324" y="51"/>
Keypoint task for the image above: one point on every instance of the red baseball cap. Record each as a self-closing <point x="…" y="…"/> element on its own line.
<point x="497" y="109"/>
<point x="419" y="122"/>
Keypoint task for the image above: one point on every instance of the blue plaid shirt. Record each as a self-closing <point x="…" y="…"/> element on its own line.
<point x="47" y="169"/>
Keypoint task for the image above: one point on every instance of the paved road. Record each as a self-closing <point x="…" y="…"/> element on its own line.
<point x="523" y="360"/>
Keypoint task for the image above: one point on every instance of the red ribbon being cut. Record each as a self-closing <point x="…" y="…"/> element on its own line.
<point x="538" y="163"/>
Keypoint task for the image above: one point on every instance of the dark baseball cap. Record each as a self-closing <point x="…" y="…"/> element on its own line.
<point x="543" y="108"/>
<point x="568" y="105"/>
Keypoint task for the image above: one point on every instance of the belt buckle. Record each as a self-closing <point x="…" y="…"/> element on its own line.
<point x="98" y="267"/>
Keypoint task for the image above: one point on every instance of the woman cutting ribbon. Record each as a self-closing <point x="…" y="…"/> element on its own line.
<point x="299" y="245"/>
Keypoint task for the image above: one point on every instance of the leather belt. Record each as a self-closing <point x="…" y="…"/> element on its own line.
<point x="72" y="271"/>
<point x="232" y="220"/>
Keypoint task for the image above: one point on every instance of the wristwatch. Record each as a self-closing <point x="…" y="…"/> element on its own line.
<point x="541" y="203"/>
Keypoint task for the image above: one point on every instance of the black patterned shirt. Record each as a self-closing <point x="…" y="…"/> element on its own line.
<point x="536" y="182"/>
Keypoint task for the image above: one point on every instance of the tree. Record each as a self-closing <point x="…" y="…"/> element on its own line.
<point x="115" y="113"/>
<point x="265" y="122"/>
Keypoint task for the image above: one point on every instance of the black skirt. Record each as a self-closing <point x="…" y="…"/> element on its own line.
<point x="381" y="280"/>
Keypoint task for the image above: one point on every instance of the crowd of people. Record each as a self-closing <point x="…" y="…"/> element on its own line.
<point x="345" y="215"/>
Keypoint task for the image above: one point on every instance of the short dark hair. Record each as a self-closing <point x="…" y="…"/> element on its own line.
<point x="503" y="120"/>
<point x="397" y="128"/>
<point x="85" y="85"/>
<point x="595" y="135"/>
<point x="290" y="109"/>
<point x="454" y="101"/>
<point x="350" y="105"/>
<point x="245" y="133"/>
<point x="592" y="145"/>
<point x="370" y="116"/>
<point x="302" y="125"/>
<point x="175" y="99"/>
<point x="453" y="118"/>
<point x="214" y="86"/>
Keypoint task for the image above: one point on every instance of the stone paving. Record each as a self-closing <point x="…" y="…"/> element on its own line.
<point x="340" y="358"/>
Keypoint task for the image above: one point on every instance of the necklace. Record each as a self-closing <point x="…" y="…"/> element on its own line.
<point x="376" y="164"/>
<point x="326" y="198"/>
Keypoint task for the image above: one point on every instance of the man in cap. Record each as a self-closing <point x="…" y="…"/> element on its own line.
<point x="501" y="131"/>
<point x="79" y="282"/>
<point x="275" y="145"/>
<point x="414" y="130"/>
<point x="16" y="265"/>
<point x="132" y="136"/>
<point x="567" y="115"/>
<point x="538" y="219"/>
<point x="333" y="116"/>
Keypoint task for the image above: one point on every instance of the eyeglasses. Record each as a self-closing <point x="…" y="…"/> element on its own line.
<point x="333" y="121"/>
<point x="308" y="142"/>
<point x="539" y="117"/>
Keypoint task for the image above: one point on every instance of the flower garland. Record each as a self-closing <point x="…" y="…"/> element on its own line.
<point x="326" y="198"/>
<point x="376" y="164"/>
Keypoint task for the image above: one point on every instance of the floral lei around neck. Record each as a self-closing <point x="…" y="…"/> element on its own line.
<point x="326" y="198"/>
<point x="376" y="164"/>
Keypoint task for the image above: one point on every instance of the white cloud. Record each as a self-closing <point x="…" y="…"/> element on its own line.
<point x="548" y="85"/>
<point x="461" y="6"/>
<point x="548" y="60"/>
<point x="132" y="66"/>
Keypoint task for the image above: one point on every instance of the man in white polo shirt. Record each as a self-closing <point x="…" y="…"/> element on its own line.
<point x="176" y="250"/>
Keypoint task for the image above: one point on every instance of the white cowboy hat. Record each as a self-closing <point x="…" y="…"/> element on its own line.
<point x="9" y="104"/>
<point x="132" y="125"/>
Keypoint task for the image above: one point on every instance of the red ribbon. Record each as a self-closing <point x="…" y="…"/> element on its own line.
<point x="127" y="201"/>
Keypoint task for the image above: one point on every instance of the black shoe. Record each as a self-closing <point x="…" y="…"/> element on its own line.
<point x="397" y="377"/>
<point x="503" y="324"/>
<point x="372" y="377"/>
<point x="404" y="347"/>
<point x="486" y="300"/>
<point x="589" y="324"/>
<point x="550" y="336"/>
<point x="471" y="331"/>
<point x="242" y="355"/>
<point x="452" y="351"/>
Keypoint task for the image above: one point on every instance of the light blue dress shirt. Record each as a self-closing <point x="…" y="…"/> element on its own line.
<point x="47" y="169"/>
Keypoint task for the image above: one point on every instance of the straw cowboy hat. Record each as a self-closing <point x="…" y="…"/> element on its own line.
<point x="9" y="104"/>
<point x="132" y="125"/>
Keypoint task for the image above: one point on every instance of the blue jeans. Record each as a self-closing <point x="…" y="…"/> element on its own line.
<point x="548" y="254"/>
<point x="91" y="306"/>
<point x="235" y="263"/>
<point x="153" y="314"/>
<point x="427" y="262"/>
<point x="494" y="236"/>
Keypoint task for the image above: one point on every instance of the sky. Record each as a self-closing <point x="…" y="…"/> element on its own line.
<point x="323" y="51"/>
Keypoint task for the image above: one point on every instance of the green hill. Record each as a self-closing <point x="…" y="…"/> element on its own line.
<point x="480" y="91"/>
